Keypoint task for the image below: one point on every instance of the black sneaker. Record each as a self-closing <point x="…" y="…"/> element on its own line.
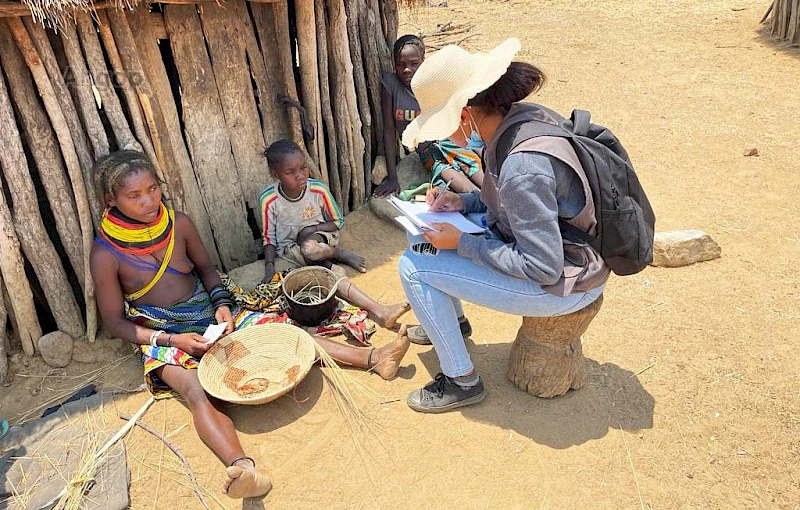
<point x="443" y="394"/>
<point x="417" y="335"/>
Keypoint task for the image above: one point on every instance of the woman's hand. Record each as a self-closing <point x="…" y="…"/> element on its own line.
<point x="190" y="343"/>
<point x="443" y="201"/>
<point x="223" y="314"/>
<point x="387" y="187"/>
<point x="445" y="237"/>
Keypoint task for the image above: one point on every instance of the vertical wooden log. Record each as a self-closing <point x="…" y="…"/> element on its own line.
<point x="369" y="31"/>
<point x="48" y="59"/>
<point x="171" y="137"/>
<point x="325" y="100"/>
<point x="346" y="91"/>
<point x="360" y="179"/>
<point x="102" y="81"/>
<point x="3" y="337"/>
<point x="61" y="128"/>
<point x="83" y="90"/>
<point x="793" y="33"/>
<point x="124" y="82"/>
<point x="226" y="48"/>
<point x="28" y="223"/>
<point x="381" y="38"/>
<point x="264" y="20"/>
<point x="274" y="121"/>
<point x="207" y="138"/>
<point x="392" y="19"/>
<point x="309" y="77"/>
<point x="280" y="14"/>
<point x="20" y="299"/>
<point x="42" y="145"/>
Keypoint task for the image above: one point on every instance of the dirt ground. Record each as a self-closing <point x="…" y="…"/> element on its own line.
<point x="693" y="398"/>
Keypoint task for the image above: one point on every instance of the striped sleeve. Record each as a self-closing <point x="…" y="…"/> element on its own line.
<point x="330" y="207"/>
<point x="267" y="199"/>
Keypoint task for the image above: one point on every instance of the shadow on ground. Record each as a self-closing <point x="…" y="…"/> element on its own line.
<point x="267" y="417"/>
<point x="612" y="398"/>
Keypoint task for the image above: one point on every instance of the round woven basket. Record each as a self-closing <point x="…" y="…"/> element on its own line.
<point x="258" y="364"/>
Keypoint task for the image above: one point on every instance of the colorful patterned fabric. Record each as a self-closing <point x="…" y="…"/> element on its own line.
<point x="268" y="297"/>
<point x="191" y="316"/>
<point x="444" y="154"/>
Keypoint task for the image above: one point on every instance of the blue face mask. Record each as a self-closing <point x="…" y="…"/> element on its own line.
<point x="474" y="141"/>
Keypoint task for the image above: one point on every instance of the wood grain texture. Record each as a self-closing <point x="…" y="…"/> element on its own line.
<point x="207" y="138"/>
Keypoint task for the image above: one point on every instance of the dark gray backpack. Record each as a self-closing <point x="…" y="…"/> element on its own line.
<point x="625" y="219"/>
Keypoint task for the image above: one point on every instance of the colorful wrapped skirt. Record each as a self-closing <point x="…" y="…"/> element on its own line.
<point x="191" y="316"/>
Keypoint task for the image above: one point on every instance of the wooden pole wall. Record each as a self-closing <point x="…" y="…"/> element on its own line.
<point x="196" y="88"/>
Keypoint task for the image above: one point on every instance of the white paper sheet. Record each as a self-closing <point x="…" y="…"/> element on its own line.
<point x="418" y="215"/>
<point x="214" y="331"/>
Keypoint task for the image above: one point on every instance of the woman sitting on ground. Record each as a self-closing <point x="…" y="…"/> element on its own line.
<point x="444" y="159"/>
<point x="156" y="288"/>
<point x="521" y="265"/>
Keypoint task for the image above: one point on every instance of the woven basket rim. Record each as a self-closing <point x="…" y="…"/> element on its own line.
<point x="273" y="348"/>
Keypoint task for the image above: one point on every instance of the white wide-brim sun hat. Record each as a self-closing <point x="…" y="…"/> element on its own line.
<point x="446" y="81"/>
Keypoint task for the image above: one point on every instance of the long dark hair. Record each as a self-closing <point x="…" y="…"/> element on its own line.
<point x="519" y="81"/>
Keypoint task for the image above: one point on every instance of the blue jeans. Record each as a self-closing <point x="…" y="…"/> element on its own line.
<point x="435" y="284"/>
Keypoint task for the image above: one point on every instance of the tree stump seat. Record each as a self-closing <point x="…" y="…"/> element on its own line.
<point x="546" y="357"/>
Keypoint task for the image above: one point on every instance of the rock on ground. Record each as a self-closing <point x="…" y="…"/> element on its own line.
<point x="56" y="349"/>
<point x="683" y="247"/>
<point x="248" y="276"/>
<point x="410" y="174"/>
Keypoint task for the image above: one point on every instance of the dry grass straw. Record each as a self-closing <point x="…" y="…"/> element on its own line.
<point x="354" y="400"/>
<point x="94" y="455"/>
<point x="83" y="379"/>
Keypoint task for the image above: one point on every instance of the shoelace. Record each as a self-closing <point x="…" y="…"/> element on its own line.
<point x="438" y="385"/>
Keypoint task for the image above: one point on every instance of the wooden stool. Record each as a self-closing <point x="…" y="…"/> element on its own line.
<point x="546" y="358"/>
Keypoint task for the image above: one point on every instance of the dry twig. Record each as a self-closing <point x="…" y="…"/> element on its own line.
<point x="172" y="446"/>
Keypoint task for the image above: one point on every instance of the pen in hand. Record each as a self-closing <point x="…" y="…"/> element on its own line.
<point x="436" y="200"/>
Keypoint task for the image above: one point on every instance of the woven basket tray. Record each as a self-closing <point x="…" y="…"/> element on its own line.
<point x="258" y="364"/>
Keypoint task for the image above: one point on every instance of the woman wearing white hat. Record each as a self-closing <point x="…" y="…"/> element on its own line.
<point x="521" y="265"/>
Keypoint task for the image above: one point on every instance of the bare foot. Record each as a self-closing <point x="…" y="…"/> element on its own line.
<point x="386" y="315"/>
<point x="386" y="359"/>
<point x="245" y="482"/>
<point x="353" y="260"/>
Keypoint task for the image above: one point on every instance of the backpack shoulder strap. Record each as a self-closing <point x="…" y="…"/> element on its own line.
<point x="581" y="120"/>
<point x="521" y="131"/>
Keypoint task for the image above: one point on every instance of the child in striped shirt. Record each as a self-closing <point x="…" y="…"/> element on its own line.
<point x="301" y="227"/>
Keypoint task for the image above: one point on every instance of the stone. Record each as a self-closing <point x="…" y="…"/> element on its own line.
<point x="683" y="247"/>
<point x="56" y="349"/>
<point x="411" y="172"/>
<point x="384" y="210"/>
<point x="379" y="171"/>
<point x="248" y="276"/>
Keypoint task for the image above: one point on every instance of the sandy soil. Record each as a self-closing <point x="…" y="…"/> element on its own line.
<point x="693" y="399"/>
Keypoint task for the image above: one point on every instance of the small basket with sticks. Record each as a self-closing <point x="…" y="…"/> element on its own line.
<point x="310" y="292"/>
<point x="258" y="364"/>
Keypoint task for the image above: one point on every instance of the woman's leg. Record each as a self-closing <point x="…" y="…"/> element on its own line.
<point x="384" y="361"/>
<point x="434" y="282"/>
<point x="385" y="315"/>
<point x="217" y="432"/>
